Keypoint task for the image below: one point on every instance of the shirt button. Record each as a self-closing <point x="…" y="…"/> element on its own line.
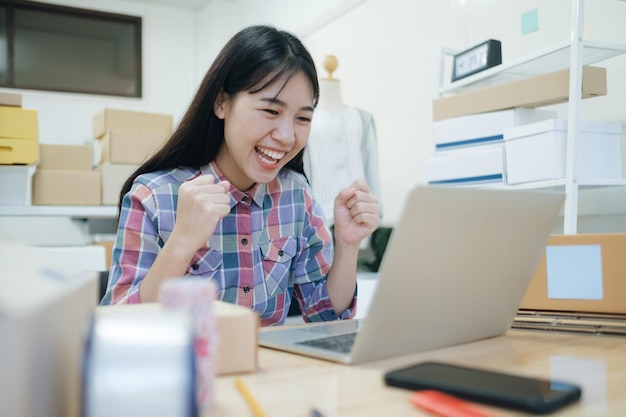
<point x="281" y="252"/>
<point x="245" y="198"/>
<point x="195" y="267"/>
<point x="246" y="289"/>
<point x="244" y="241"/>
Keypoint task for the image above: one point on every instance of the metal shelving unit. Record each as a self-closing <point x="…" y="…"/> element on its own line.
<point x="572" y="54"/>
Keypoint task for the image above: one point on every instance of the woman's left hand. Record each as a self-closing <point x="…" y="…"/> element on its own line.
<point x="357" y="214"/>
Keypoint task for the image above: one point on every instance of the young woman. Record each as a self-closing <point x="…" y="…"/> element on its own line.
<point x="226" y="197"/>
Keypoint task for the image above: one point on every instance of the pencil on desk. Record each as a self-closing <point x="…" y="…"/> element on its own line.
<point x="252" y="403"/>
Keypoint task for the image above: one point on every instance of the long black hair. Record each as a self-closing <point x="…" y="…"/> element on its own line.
<point x="253" y="59"/>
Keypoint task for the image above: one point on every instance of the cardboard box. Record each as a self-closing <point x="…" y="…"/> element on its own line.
<point x="66" y="157"/>
<point x="66" y="188"/>
<point x="532" y="92"/>
<point x="19" y="151"/>
<point x="538" y="151"/>
<point x="113" y="178"/>
<point x="483" y="128"/>
<point x="18" y="123"/>
<point x="131" y="121"/>
<point x="10" y="99"/>
<point x="237" y="329"/>
<point x="16" y="184"/>
<point x="580" y="273"/>
<point x="483" y="164"/>
<point x="130" y="147"/>
<point x="108" y="252"/>
<point x="45" y="304"/>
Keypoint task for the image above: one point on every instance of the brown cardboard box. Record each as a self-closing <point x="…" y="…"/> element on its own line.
<point x="113" y="178"/>
<point x="108" y="251"/>
<point x="581" y="273"/>
<point x="18" y="123"/>
<point x="10" y="99"/>
<point x="45" y="305"/>
<point x="66" y="188"/>
<point x="237" y="329"/>
<point x="66" y="157"/>
<point x="131" y="121"/>
<point x="532" y="92"/>
<point x="120" y="147"/>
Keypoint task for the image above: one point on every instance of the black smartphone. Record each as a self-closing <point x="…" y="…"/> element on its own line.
<point x="533" y="395"/>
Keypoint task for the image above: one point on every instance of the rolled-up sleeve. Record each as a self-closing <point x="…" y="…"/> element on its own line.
<point x="135" y="249"/>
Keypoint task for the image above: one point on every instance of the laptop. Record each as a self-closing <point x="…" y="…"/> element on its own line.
<point x="455" y="270"/>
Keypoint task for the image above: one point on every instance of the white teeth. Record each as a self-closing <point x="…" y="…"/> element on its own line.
<point x="271" y="153"/>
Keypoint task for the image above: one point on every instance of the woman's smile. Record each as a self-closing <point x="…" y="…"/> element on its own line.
<point x="269" y="156"/>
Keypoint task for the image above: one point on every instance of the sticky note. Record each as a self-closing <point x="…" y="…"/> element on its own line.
<point x="574" y="272"/>
<point x="530" y="21"/>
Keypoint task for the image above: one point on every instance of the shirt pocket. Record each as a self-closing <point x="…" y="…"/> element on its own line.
<point x="278" y="255"/>
<point x="205" y="263"/>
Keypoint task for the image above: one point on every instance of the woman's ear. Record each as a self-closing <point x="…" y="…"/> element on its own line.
<point x="218" y="106"/>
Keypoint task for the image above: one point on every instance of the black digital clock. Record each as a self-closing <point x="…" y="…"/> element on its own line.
<point x="478" y="58"/>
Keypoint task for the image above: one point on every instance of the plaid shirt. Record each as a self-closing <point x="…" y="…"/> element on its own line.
<point x="273" y="245"/>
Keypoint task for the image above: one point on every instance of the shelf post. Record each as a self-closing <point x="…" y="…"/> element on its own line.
<point x="570" y="215"/>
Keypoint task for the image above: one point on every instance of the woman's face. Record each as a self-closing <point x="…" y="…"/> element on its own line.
<point x="263" y="131"/>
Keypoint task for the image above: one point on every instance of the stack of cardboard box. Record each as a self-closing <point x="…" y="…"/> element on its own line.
<point x="470" y="128"/>
<point x="19" y="150"/>
<point x="126" y="139"/>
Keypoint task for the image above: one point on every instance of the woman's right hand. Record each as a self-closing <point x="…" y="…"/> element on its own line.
<point x="201" y="204"/>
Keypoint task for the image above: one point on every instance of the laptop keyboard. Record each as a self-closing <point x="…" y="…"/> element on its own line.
<point x="337" y="343"/>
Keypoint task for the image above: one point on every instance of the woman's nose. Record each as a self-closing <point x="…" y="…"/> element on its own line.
<point x="284" y="131"/>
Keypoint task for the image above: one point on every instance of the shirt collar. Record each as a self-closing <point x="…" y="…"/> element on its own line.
<point x="257" y="192"/>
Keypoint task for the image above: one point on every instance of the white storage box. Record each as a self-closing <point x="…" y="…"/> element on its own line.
<point x="484" y="128"/>
<point x="538" y="151"/>
<point x="467" y="166"/>
<point x="16" y="184"/>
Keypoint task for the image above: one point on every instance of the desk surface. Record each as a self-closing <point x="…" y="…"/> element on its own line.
<point x="291" y="385"/>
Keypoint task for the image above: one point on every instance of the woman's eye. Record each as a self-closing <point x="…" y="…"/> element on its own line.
<point x="270" y="111"/>
<point x="304" y="119"/>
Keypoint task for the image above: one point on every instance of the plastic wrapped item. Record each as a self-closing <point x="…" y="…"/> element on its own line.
<point x="195" y="296"/>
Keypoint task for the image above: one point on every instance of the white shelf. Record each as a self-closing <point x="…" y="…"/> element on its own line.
<point x="550" y="59"/>
<point x="60" y="211"/>
<point x="548" y="185"/>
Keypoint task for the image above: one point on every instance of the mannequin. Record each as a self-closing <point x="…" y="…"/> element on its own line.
<point x="330" y="88"/>
<point x="341" y="147"/>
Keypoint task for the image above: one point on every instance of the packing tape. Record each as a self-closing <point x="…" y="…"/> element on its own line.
<point x="139" y="364"/>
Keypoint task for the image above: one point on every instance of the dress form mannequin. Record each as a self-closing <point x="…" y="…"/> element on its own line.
<point x="330" y="88"/>
<point x="341" y="147"/>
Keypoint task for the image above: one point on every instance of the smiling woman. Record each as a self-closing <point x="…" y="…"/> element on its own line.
<point x="226" y="198"/>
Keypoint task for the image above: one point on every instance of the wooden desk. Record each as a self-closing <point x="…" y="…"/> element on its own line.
<point x="291" y="385"/>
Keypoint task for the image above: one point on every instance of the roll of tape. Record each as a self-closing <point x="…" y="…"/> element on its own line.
<point x="139" y="363"/>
